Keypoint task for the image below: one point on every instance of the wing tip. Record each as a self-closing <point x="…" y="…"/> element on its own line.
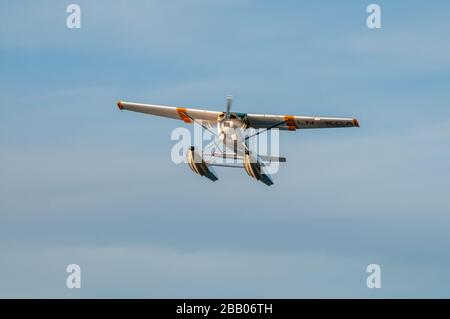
<point x="119" y="105"/>
<point x="355" y="122"/>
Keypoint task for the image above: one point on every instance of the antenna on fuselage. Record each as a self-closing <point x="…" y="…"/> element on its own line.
<point x="229" y="102"/>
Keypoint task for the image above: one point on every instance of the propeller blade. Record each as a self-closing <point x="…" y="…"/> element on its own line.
<point x="229" y="102"/>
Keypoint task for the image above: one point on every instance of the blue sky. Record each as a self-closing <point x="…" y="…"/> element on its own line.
<point x="82" y="182"/>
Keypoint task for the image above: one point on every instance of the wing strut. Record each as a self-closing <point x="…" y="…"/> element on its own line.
<point x="204" y="126"/>
<point x="265" y="130"/>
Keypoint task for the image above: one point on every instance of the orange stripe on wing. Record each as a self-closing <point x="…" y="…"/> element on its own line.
<point x="290" y="122"/>
<point x="183" y="115"/>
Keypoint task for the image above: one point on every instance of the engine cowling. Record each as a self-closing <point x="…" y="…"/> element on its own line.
<point x="255" y="170"/>
<point x="198" y="165"/>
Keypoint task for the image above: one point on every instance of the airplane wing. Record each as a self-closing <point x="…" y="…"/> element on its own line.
<point x="180" y="113"/>
<point x="292" y="123"/>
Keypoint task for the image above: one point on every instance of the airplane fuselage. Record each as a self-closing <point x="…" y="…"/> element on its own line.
<point x="231" y="131"/>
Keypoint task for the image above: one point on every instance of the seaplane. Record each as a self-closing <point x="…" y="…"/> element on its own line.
<point x="232" y="137"/>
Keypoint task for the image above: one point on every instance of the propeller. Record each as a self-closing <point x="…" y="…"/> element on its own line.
<point x="229" y="102"/>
